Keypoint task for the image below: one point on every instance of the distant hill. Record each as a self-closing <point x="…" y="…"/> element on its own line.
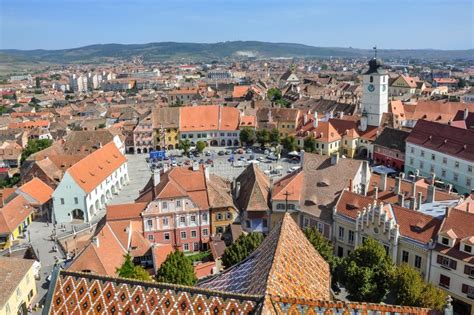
<point x="172" y="51"/>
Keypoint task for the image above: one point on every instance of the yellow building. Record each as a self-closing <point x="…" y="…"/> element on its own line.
<point x="165" y="127"/>
<point x="15" y="216"/>
<point x="18" y="285"/>
<point x="221" y="205"/>
<point x="349" y="142"/>
<point x="222" y="218"/>
<point x="285" y="119"/>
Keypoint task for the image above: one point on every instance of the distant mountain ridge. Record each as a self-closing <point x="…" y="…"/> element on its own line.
<point x="174" y="51"/>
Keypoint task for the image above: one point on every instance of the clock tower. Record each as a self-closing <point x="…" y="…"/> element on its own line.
<point x="375" y="93"/>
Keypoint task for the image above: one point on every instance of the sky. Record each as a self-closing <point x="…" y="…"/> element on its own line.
<point x="395" y="24"/>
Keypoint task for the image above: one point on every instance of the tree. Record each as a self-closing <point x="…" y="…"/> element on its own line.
<point x="275" y="136"/>
<point x="321" y="244"/>
<point x="184" y="145"/>
<point x="177" y="269"/>
<point x="241" y="248"/>
<point x="263" y="137"/>
<point x="462" y="83"/>
<point x="309" y="144"/>
<point x="129" y="270"/>
<point x="200" y="146"/>
<point x="247" y="136"/>
<point x="178" y="103"/>
<point x="274" y="94"/>
<point x="368" y="272"/>
<point x="410" y="289"/>
<point x="35" y="145"/>
<point x="289" y="143"/>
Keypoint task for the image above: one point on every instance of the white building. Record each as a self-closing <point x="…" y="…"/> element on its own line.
<point x="443" y="150"/>
<point x="452" y="264"/>
<point x="375" y="95"/>
<point x="88" y="185"/>
<point x="78" y="83"/>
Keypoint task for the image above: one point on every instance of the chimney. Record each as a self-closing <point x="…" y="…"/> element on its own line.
<point x="466" y="113"/>
<point x="383" y="182"/>
<point x="95" y="240"/>
<point x="350" y="184"/>
<point x="412" y="203"/>
<point x="376" y="192"/>
<point x="398" y="185"/>
<point x="195" y="166"/>
<point x="420" y="200"/>
<point x="401" y="200"/>
<point x="430" y="198"/>
<point x="413" y="189"/>
<point x="206" y="173"/>
<point x="315" y="121"/>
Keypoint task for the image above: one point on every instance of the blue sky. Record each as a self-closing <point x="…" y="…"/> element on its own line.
<point x="56" y="24"/>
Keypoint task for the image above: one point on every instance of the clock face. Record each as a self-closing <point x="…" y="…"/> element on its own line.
<point x="371" y="88"/>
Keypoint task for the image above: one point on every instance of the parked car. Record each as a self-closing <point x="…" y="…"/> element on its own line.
<point x="208" y="153"/>
<point x="249" y="151"/>
<point x="221" y="153"/>
<point x="228" y="152"/>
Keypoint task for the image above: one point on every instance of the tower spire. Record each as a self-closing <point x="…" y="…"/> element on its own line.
<point x="375" y="52"/>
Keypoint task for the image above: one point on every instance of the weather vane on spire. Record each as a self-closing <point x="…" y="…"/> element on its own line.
<point x="375" y="52"/>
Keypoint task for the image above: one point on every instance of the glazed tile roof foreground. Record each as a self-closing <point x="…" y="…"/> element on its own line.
<point x="285" y="275"/>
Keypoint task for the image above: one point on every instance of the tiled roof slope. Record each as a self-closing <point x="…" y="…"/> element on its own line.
<point x="285" y="264"/>
<point x="97" y="166"/>
<point x="12" y="272"/>
<point x="254" y="189"/>
<point x="81" y="293"/>
<point x="444" y="139"/>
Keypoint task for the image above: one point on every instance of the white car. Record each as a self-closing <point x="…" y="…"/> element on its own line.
<point x="293" y="169"/>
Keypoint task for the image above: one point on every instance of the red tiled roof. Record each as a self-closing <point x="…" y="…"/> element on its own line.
<point x="37" y="189"/>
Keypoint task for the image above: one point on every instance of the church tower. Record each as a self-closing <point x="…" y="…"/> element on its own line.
<point x="375" y="93"/>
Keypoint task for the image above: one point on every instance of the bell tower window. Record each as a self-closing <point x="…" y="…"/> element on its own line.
<point x="371" y="79"/>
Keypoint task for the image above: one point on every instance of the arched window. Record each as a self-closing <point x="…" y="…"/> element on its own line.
<point x="371" y="79"/>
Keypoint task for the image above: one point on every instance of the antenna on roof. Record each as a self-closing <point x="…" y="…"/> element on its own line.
<point x="375" y="52"/>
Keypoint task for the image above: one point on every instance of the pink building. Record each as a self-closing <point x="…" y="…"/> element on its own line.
<point x="143" y="136"/>
<point x="178" y="209"/>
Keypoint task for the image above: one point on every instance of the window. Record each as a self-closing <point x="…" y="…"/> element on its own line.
<point x="455" y="177"/>
<point x="264" y="223"/>
<point x="193" y="234"/>
<point x="433" y="158"/>
<point x="467" y="248"/>
<point x="196" y="247"/>
<point x="456" y="164"/>
<point x="421" y="164"/>
<point x="469" y="271"/>
<point x="340" y="251"/>
<point x="166" y="236"/>
<point x="371" y="79"/>
<point x="443" y="173"/>
<point x="468" y="182"/>
<point x="320" y="227"/>
<point x="205" y="232"/>
<point x="219" y="216"/>
<point x="164" y="205"/>
<point x="405" y="256"/>
<point x="291" y="206"/>
<point x="305" y="222"/>
<point x="445" y="262"/>
<point x="178" y="203"/>
<point x="62" y="201"/>
<point x="76" y="200"/>
<point x="412" y="150"/>
<point x="445" y="241"/>
<point x="193" y="219"/>
<point x="412" y="161"/>
<point x="149" y="223"/>
<point x="165" y="221"/>
<point x="351" y="237"/>
<point x="281" y="206"/>
<point x="183" y="235"/>
<point x="182" y="220"/>
<point x="432" y="168"/>
<point x="186" y="247"/>
<point x="422" y="153"/>
<point x="417" y="261"/>
<point x="445" y="160"/>
<point x="469" y="168"/>
<point x="247" y="224"/>
<point x="444" y="281"/>
<point x="150" y="237"/>
<point x="204" y="217"/>
<point x="228" y="216"/>
<point x="341" y="233"/>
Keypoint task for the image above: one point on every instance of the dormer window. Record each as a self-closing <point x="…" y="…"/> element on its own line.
<point x="468" y="248"/>
<point x="445" y="241"/>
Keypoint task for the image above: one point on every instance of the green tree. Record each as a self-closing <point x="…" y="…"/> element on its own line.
<point x="178" y="103"/>
<point x="241" y="248"/>
<point x="263" y="137"/>
<point x="35" y="145"/>
<point x="200" y="146"/>
<point x="410" y="289"/>
<point x="129" y="270"/>
<point x="321" y="244"/>
<point x="177" y="269"/>
<point x="462" y="83"/>
<point x="368" y="272"/>
<point x="101" y="126"/>
<point x="247" y="136"/>
<point x="274" y="94"/>
<point x="309" y="144"/>
<point x="275" y="136"/>
<point x="184" y="145"/>
<point x="289" y="143"/>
